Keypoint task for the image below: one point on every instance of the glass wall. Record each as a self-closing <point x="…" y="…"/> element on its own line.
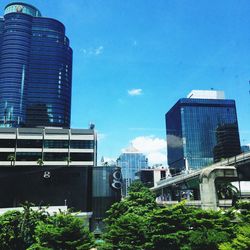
<point x="36" y="70"/>
<point x="29" y="143"/>
<point x="131" y="163"/>
<point x="7" y="143"/>
<point x="56" y="143"/>
<point x="55" y="156"/>
<point x="192" y="124"/>
<point x="28" y="156"/>
<point x="88" y="144"/>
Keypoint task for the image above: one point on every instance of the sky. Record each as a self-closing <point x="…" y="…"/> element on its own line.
<point x="133" y="59"/>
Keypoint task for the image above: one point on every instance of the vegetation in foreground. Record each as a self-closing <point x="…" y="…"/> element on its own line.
<point x="135" y="223"/>
<point x="37" y="230"/>
<point x="138" y="223"/>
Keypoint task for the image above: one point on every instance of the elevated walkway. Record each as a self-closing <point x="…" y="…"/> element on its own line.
<point x="199" y="187"/>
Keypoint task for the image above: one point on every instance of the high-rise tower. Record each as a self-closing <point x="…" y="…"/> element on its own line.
<point x="35" y="69"/>
<point x="193" y="125"/>
<point x="131" y="161"/>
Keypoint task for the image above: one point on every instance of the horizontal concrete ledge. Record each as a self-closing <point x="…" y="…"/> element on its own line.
<point x="222" y="203"/>
<point x="50" y="210"/>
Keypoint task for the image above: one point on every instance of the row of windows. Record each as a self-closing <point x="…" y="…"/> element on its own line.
<point x="22" y="57"/>
<point x="17" y="42"/>
<point x="8" y="37"/>
<point x="34" y="156"/>
<point x="74" y="144"/>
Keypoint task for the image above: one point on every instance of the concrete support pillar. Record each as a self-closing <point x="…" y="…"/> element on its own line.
<point x="209" y="199"/>
<point x="208" y="193"/>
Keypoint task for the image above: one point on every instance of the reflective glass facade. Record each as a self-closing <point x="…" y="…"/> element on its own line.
<point x="35" y="69"/>
<point x="191" y="126"/>
<point x="130" y="163"/>
<point x="106" y="188"/>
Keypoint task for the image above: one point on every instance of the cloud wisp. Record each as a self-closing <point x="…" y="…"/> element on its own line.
<point x="93" y="51"/>
<point x="153" y="147"/>
<point x="135" y="92"/>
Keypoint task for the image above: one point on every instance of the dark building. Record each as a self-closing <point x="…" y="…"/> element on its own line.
<point x="191" y="126"/>
<point x="245" y="148"/>
<point x="106" y="190"/>
<point x="35" y="69"/>
<point x="46" y="186"/>
<point x="228" y="142"/>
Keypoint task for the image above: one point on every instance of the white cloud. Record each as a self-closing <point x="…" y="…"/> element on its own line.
<point x="134" y="92"/>
<point x="98" y="50"/>
<point x="157" y="158"/>
<point x="153" y="147"/>
<point x="101" y="136"/>
<point x="92" y="51"/>
<point x="147" y="144"/>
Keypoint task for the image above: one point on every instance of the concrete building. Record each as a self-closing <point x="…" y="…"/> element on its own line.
<point x="48" y="167"/>
<point x="50" y="146"/>
<point x="130" y="161"/>
<point x="191" y="126"/>
<point x="150" y="176"/>
<point x="35" y="69"/>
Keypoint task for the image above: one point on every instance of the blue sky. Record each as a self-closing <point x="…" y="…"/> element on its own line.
<point x="160" y="50"/>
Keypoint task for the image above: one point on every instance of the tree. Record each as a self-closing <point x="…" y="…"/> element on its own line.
<point x="126" y="221"/>
<point x="241" y="242"/>
<point x="68" y="160"/>
<point x="10" y="237"/>
<point x="169" y="227"/>
<point x="140" y="200"/>
<point x="182" y="227"/>
<point x="62" y="231"/>
<point x="28" y="222"/>
<point x="31" y="229"/>
<point x="137" y="223"/>
<point x="40" y="162"/>
<point x="226" y="190"/>
<point x="17" y="228"/>
<point x="12" y="159"/>
<point x="128" y="233"/>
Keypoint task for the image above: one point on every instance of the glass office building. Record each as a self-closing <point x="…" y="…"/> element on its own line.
<point x="106" y="190"/>
<point x="191" y="126"/>
<point x="35" y="69"/>
<point x="131" y="162"/>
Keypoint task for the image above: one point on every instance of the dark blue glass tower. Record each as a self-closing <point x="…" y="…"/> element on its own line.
<point x="192" y="127"/>
<point x="35" y="69"/>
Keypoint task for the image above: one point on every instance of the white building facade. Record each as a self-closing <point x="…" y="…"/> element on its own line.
<point x="47" y="147"/>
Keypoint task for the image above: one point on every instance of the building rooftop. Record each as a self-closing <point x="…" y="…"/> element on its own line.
<point x="206" y="94"/>
<point x="131" y="149"/>
<point x="21" y="7"/>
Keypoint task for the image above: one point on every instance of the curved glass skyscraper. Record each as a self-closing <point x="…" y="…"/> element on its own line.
<point x="35" y="69"/>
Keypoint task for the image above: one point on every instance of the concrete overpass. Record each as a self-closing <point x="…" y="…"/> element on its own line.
<point x="209" y="187"/>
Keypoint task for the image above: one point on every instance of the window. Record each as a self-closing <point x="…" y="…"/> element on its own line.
<point x="56" y="144"/>
<point x="29" y="143"/>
